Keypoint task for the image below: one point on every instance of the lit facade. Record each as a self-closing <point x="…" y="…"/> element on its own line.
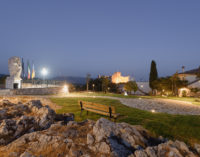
<point x="117" y="78"/>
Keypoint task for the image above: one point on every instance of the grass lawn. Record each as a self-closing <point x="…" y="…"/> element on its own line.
<point x="185" y="128"/>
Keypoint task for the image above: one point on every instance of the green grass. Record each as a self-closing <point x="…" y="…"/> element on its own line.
<point x="185" y="128"/>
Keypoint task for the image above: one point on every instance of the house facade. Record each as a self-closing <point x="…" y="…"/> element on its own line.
<point x="192" y="77"/>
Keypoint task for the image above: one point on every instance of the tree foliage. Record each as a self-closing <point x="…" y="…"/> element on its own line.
<point x="131" y="86"/>
<point x="172" y="84"/>
<point x="3" y="80"/>
<point x="153" y="75"/>
<point x="103" y="84"/>
<point x="88" y="77"/>
<point x="198" y="73"/>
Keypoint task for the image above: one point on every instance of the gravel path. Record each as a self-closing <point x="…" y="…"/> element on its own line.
<point x="163" y="105"/>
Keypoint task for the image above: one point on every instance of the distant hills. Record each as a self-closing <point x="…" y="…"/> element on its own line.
<point x="71" y="79"/>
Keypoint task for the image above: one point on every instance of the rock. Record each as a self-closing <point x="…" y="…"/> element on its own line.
<point x="103" y="129"/>
<point x="103" y="147"/>
<point x="26" y="154"/>
<point x="90" y="139"/>
<point x="140" y="153"/>
<point x="19" y="119"/>
<point x="129" y="135"/>
<point x="46" y="117"/>
<point x="34" y="105"/>
<point x="151" y="152"/>
<point x="197" y="148"/>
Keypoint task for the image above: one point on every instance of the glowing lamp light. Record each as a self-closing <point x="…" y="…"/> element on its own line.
<point x="65" y="89"/>
<point x="44" y="71"/>
<point x="153" y="111"/>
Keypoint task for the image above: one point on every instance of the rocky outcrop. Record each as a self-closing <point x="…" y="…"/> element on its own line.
<point x="34" y="130"/>
<point x="19" y="119"/>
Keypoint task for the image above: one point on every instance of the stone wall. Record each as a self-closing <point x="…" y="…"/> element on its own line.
<point x="31" y="85"/>
<point x="6" y="92"/>
<point x="2" y="86"/>
<point x="39" y="91"/>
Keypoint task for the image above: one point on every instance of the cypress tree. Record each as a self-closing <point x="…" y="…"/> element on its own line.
<point x="153" y="75"/>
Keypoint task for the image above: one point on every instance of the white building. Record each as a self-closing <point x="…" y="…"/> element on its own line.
<point x="143" y="88"/>
<point x="191" y="77"/>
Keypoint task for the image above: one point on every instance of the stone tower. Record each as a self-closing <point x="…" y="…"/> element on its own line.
<point x="15" y="69"/>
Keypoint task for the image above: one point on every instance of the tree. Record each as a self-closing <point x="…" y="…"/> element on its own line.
<point x="131" y="86"/>
<point x="87" y="81"/>
<point x="170" y="84"/>
<point x="153" y="75"/>
<point x="3" y="80"/>
<point x="105" y="83"/>
<point x="198" y="73"/>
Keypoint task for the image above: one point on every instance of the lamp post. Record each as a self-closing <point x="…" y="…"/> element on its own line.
<point x="44" y="73"/>
<point x="93" y="86"/>
<point x="108" y="89"/>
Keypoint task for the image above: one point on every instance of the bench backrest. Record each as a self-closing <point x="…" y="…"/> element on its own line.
<point x="100" y="107"/>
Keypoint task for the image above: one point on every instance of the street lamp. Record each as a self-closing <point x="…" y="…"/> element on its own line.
<point x="65" y="89"/>
<point x="44" y="73"/>
<point x="108" y="89"/>
<point x="93" y="86"/>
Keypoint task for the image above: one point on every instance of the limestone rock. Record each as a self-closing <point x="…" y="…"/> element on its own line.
<point x="19" y="119"/>
<point x="90" y="139"/>
<point x="26" y="154"/>
<point x="197" y="148"/>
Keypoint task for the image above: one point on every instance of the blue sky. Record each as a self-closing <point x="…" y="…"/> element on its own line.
<point x="76" y="37"/>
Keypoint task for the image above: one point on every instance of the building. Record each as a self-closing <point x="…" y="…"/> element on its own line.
<point x="118" y="78"/>
<point x="143" y="88"/>
<point x="192" y="77"/>
<point x="193" y="82"/>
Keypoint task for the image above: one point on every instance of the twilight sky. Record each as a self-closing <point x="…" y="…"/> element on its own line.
<point x="75" y="37"/>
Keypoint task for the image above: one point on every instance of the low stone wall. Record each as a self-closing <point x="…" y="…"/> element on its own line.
<point x="31" y="85"/>
<point x="2" y="86"/>
<point x="39" y="91"/>
<point x="6" y="92"/>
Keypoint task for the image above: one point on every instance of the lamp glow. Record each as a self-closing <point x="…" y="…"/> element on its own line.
<point x="65" y="89"/>
<point x="44" y="71"/>
<point x="153" y="111"/>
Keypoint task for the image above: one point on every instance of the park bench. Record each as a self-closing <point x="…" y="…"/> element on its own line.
<point x="99" y="109"/>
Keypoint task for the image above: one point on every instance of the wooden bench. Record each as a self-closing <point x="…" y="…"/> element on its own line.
<point x="98" y="108"/>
